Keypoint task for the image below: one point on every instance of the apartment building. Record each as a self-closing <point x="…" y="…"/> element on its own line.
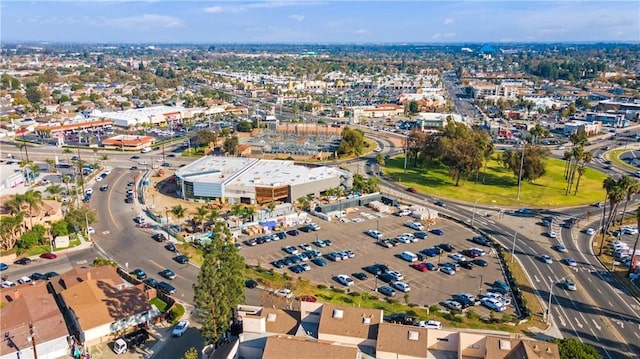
<point x="509" y="90"/>
<point x="322" y="330"/>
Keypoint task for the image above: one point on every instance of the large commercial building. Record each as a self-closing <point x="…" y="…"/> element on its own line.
<point x="250" y="180"/>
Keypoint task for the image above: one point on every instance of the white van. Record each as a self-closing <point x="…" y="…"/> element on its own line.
<point x="146" y="150"/>
<point x="409" y="256"/>
<point x="120" y="346"/>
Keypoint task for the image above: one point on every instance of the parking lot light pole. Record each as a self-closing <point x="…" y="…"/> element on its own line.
<point x="376" y="285"/>
<point x="166" y="213"/>
<point x="377" y="224"/>
<point x="481" y="283"/>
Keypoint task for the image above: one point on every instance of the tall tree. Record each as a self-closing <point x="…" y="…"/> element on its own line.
<point x="586" y="158"/>
<point x="220" y="285"/>
<point x="179" y="212"/>
<point x="55" y="190"/>
<point x="630" y="187"/>
<point x="199" y="215"/>
<point x="33" y="199"/>
<point x="635" y="244"/>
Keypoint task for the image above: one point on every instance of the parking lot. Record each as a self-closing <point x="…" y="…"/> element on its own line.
<point x="427" y="288"/>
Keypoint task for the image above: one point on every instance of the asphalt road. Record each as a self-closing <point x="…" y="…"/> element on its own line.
<point x="65" y="262"/>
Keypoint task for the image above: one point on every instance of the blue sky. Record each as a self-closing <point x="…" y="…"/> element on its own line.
<point x="309" y="21"/>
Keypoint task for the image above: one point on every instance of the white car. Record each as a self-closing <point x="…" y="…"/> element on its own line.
<point x="570" y="262"/>
<point x="89" y="191"/>
<point x="415" y="225"/>
<point x="396" y="275"/>
<point x="285" y="293"/>
<point x="429" y="324"/>
<point x="306" y="247"/>
<point x="457" y="257"/>
<point x="374" y="233"/>
<point x="590" y="231"/>
<point x="180" y="328"/>
<point x="24" y="280"/>
<point x="8" y="284"/>
<point x="90" y="230"/>
<point x="552" y="234"/>
<point x="546" y="259"/>
<point x="401" y="286"/>
<point x="493" y="304"/>
<point x="99" y="178"/>
<point x="344" y="280"/>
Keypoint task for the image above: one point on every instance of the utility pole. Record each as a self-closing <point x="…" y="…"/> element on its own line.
<point x="80" y="170"/>
<point x="520" y="173"/>
<point x="33" y="341"/>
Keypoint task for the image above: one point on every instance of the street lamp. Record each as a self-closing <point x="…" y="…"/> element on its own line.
<point x="548" y="312"/>
<point x="376" y="285"/>
<point x="513" y="246"/>
<point x="166" y="213"/>
<point x="377" y="224"/>
<point x="86" y="219"/>
<point x="473" y="214"/>
<point x="481" y="283"/>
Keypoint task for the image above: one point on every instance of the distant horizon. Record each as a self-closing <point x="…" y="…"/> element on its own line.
<point x="320" y="22"/>
<point x="399" y="43"/>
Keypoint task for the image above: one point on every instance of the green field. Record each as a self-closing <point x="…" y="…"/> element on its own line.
<point x="500" y="185"/>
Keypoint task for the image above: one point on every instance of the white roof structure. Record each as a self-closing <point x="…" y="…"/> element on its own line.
<point x="215" y="169"/>
<point x="138" y="116"/>
<point x="251" y="172"/>
<point x="274" y="173"/>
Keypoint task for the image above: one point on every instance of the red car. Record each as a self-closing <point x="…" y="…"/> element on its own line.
<point x="420" y="267"/>
<point x="308" y="298"/>
<point x="48" y="256"/>
<point x="412" y="190"/>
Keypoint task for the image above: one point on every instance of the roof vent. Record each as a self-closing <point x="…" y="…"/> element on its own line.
<point x="504" y="344"/>
<point x="548" y="350"/>
<point x="536" y="347"/>
<point x="271" y="317"/>
<point x="366" y="320"/>
<point x="338" y="313"/>
<point x="413" y="335"/>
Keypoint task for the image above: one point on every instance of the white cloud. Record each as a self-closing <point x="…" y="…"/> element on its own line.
<point x="443" y="36"/>
<point x="213" y="9"/>
<point x="361" y="31"/>
<point x="449" y="21"/>
<point x="259" y="5"/>
<point x="297" y="18"/>
<point x="144" y="22"/>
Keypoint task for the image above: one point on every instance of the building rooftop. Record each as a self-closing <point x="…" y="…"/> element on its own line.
<point x="283" y="347"/>
<point x="26" y="304"/>
<point x="215" y="169"/>
<point x="137" y="113"/>
<point x="349" y="322"/>
<point x="402" y="339"/>
<point x="274" y="173"/>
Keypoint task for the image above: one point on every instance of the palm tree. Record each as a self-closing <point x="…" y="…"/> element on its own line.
<point x="14" y="204"/>
<point x="567" y="156"/>
<point x="179" y="212"/>
<point x="55" y="190"/>
<point x="586" y="158"/>
<point x="577" y="153"/>
<point x="236" y="210"/>
<point x="50" y="163"/>
<point x="635" y="244"/>
<point x="271" y="206"/>
<point x="631" y="187"/>
<point x="34" y="200"/>
<point x="249" y="212"/>
<point x="199" y="216"/>
<point x="213" y="215"/>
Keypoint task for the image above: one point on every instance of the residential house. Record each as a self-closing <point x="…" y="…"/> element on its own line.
<point x="101" y="303"/>
<point x="284" y="347"/>
<point x="29" y="312"/>
<point x="349" y="325"/>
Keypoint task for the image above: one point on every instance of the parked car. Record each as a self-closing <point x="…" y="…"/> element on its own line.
<point x="182" y="259"/>
<point x="429" y="324"/>
<point x="447" y="270"/>
<point x="285" y="293"/>
<point x="374" y="233"/>
<point x="48" y="255"/>
<point x="359" y="276"/>
<point x="38" y="276"/>
<point x="166" y="288"/>
<point x="319" y="262"/>
<point x="22" y="261"/>
<point x="139" y="274"/>
<point x="386" y="290"/>
<point x="180" y="328"/>
<point x="344" y="280"/>
<point x="167" y="273"/>
<point x="24" y="280"/>
<point x="452" y="305"/>
<point x="151" y="282"/>
<point x="402" y="318"/>
<point x="170" y="247"/>
<point x="401" y="286"/>
<point x="307" y="298"/>
<point x="493" y="304"/>
<point x="480" y="262"/>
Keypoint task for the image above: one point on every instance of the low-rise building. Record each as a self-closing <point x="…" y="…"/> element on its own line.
<point x="31" y="320"/>
<point x="128" y="142"/>
<point x="607" y="119"/>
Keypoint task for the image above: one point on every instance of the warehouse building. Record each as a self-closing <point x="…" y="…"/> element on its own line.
<point x="251" y="181"/>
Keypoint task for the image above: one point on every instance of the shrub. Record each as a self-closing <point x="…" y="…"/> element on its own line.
<point x="346" y="300"/>
<point x="354" y="294"/>
<point x="471" y="314"/>
<point x="391" y="301"/>
<point x="338" y="290"/>
<point x="412" y="305"/>
<point x="176" y="312"/>
<point x="434" y="308"/>
<point x="506" y="318"/>
<point x="321" y="286"/>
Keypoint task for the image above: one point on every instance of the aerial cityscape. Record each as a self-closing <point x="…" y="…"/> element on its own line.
<point x="313" y="179"/>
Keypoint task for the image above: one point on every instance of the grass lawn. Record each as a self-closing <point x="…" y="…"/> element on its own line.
<point x="614" y="157"/>
<point x="159" y="303"/>
<point x="500" y="185"/>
